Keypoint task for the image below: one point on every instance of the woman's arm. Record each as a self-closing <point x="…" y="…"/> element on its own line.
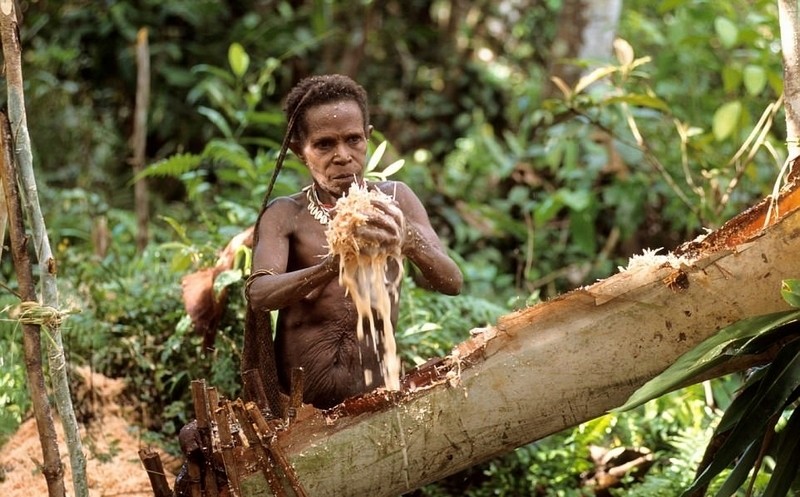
<point x="422" y="245"/>
<point x="269" y="285"/>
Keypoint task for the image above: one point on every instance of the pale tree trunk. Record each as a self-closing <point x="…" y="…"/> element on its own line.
<point x="586" y="31"/>
<point x="540" y="370"/>
<point x="139" y="139"/>
<point x="24" y="159"/>
<point x="790" y="46"/>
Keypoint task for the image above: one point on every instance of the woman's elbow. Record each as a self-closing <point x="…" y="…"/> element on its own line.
<point x="451" y="285"/>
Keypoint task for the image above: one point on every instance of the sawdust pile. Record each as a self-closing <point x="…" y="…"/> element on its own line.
<point x="363" y="273"/>
<point x="110" y="443"/>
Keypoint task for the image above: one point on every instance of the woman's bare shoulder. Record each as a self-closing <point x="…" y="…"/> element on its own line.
<point x="283" y="209"/>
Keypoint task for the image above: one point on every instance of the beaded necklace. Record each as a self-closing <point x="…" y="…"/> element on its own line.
<point x="316" y="208"/>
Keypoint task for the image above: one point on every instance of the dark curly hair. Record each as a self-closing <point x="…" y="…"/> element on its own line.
<point x="317" y="90"/>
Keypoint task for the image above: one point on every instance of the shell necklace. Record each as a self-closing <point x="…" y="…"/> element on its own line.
<point x="316" y="208"/>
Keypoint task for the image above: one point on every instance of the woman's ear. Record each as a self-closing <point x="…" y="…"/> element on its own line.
<point x="295" y="147"/>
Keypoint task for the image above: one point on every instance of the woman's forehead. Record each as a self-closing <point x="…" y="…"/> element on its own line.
<point x="342" y="109"/>
<point x="335" y="115"/>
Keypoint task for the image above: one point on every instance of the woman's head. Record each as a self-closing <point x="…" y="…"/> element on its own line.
<point x="331" y="130"/>
<point x="316" y="90"/>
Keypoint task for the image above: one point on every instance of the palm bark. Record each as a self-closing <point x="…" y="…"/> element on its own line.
<point x="548" y="367"/>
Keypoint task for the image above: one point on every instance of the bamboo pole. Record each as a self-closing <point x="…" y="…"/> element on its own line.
<point x="9" y="31"/>
<point x="52" y="468"/>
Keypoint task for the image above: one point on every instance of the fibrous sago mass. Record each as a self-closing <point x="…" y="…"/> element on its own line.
<point x="363" y="266"/>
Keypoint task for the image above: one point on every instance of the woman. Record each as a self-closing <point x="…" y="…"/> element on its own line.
<point x="292" y="270"/>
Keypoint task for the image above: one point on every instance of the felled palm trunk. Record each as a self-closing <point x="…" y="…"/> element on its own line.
<point x="539" y="370"/>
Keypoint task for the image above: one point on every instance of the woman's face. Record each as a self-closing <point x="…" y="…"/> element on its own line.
<point x="335" y="145"/>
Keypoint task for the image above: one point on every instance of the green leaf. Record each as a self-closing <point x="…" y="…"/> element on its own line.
<point x="740" y="472"/>
<point x="639" y="100"/>
<point x="727" y="31"/>
<point x="597" y="74"/>
<point x="726" y="118"/>
<point x="174" y="166"/>
<point x="577" y="201"/>
<point x="217" y="119"/>
<point x="547" y="210"/>
<point x="582" y="229"/>
<point x="238" y="59"/>
<point x="180" y="229"/>
<point x="790" y="291"/>
<point x="787" y="457"/>
<point x="225" y="279"/>
<point x="755" y="79"/>
<point x="731" y="77"/>
<point x="774" y="389"/>
<point x="707" y="354"/>
<point x="181" y="261"/>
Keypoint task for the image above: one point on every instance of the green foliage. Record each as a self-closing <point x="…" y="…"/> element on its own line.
<point x="14" y="400"/>
<point x="431" y="323"/>
<point x="762" y="419"/>
<point x="534" y="191"/>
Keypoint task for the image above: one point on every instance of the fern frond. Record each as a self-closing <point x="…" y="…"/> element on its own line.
<point x="173" y="166"/>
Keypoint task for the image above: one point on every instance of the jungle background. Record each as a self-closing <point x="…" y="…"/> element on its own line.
<point x="536" y="186"/>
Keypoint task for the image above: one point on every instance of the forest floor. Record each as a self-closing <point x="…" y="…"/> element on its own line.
<point x="111" y="442"/>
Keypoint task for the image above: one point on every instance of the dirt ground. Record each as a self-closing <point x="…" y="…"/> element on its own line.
<point x="110" y="441"/>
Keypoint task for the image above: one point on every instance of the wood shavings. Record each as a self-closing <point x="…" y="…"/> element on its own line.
<point x="651" y="257"/>
<point x="363" y="268"/>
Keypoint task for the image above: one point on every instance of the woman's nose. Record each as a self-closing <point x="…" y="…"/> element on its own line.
<point x="341" y="155"/>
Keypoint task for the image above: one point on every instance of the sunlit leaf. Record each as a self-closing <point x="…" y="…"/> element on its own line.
<point x="727" y="31"/>
<point x="562" y="86"/>
<point x="726" y="118"/>
<point x="181" y="261"/>
<point x="238" y="59"/>
<point x="180" y="229"/>
<point x="755" y="79"/>
<point x="623" y="51"/>
<point x="640" y="100"/>
<point x="376" y="157"/>
<point x="790" y="291"/>
<point x="595" y="75"/>
<point x="393" y="168"/>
